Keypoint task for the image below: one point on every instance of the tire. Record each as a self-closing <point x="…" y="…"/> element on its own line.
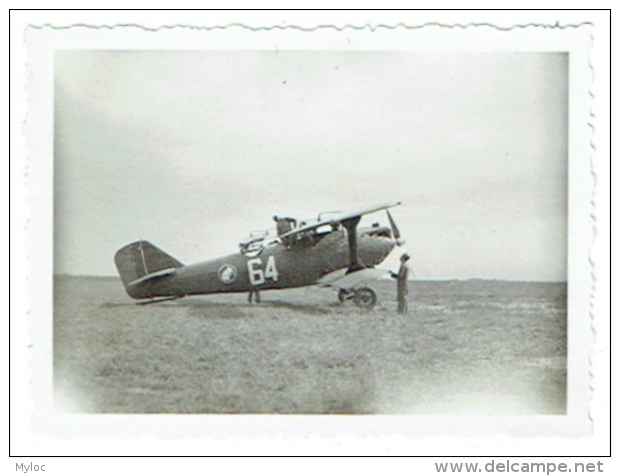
<point x="365" y="298"/>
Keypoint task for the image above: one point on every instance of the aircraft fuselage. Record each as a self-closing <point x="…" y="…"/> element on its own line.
<point x="276" y="266"/>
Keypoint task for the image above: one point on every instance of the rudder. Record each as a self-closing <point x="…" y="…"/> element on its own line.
<point x="141" y="258"/>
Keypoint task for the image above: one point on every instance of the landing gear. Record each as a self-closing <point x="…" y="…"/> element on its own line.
<point x="343" y="295"/>
<point x="365" y="298"/>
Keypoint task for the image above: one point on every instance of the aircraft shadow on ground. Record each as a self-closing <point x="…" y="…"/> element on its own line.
<point x="194" y="304"/>
<point x="314" y="309"/>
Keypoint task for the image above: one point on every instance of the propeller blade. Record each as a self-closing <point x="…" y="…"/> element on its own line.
<point x="413" y="274"/>
<point x="395" y="230"/>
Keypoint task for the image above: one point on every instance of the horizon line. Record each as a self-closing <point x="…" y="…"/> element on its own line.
<point x="421" y="278"/>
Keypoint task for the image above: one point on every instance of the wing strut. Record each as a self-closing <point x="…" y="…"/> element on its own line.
<point x="351" y="226"/>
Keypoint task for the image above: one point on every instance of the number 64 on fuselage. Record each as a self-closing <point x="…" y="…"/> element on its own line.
<point x="332" y="252"/>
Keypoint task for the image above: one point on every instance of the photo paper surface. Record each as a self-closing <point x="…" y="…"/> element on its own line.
<point x="164" y="165"/>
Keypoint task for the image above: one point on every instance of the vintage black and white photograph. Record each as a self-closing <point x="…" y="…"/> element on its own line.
<point x="310" y="232"/>
<point x="289" y="224"/>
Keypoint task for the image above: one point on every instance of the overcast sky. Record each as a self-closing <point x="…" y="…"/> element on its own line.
<point x="193" y="150"/>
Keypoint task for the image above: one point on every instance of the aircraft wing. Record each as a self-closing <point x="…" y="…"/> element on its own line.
<point x="342" y="217"/>
<point x="364" y="211"/>
<point x="339" y="279"/>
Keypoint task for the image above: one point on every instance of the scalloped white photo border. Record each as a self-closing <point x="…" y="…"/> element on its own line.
<point x="43" y="42"/>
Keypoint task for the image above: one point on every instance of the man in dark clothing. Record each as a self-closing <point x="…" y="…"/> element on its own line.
<point x="283" y="226"/>
<point x="256" y="293"/>
<point x="401" y="283"/>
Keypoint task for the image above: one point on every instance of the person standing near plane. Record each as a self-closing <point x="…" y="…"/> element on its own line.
<point x="401" y="283"/>
<point x="283" y="226"/>
<point x="256" y="293"/>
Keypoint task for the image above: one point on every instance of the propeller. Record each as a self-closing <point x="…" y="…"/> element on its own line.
<point x="399" y="241"/>
<point x="395" y="230"/>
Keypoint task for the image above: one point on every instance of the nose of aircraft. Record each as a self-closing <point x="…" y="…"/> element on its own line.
<point x="374" y="249"/>
<point x="385" y="248"/>
<point x="390" y="245"/>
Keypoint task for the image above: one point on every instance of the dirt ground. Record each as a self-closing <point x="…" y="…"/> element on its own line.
<point x="466" y="347"/>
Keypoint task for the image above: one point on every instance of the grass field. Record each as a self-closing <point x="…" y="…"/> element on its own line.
<point x="471" y="347"/>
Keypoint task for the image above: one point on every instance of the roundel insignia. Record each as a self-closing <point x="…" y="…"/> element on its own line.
<point x="227" y="273"/>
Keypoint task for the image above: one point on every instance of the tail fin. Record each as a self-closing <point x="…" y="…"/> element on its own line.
<point x="141" y="259"/>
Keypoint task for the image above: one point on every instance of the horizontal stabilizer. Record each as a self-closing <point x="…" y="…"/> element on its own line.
<point x="159" y="299"/>
<point x="152" y="276"/>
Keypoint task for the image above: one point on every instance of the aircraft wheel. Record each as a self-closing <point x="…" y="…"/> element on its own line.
<point x="343" y="295"/>
<point x="365" y="298"/>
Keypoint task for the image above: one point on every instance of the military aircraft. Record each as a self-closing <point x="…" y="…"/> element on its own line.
<point x="327" y="251"/>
